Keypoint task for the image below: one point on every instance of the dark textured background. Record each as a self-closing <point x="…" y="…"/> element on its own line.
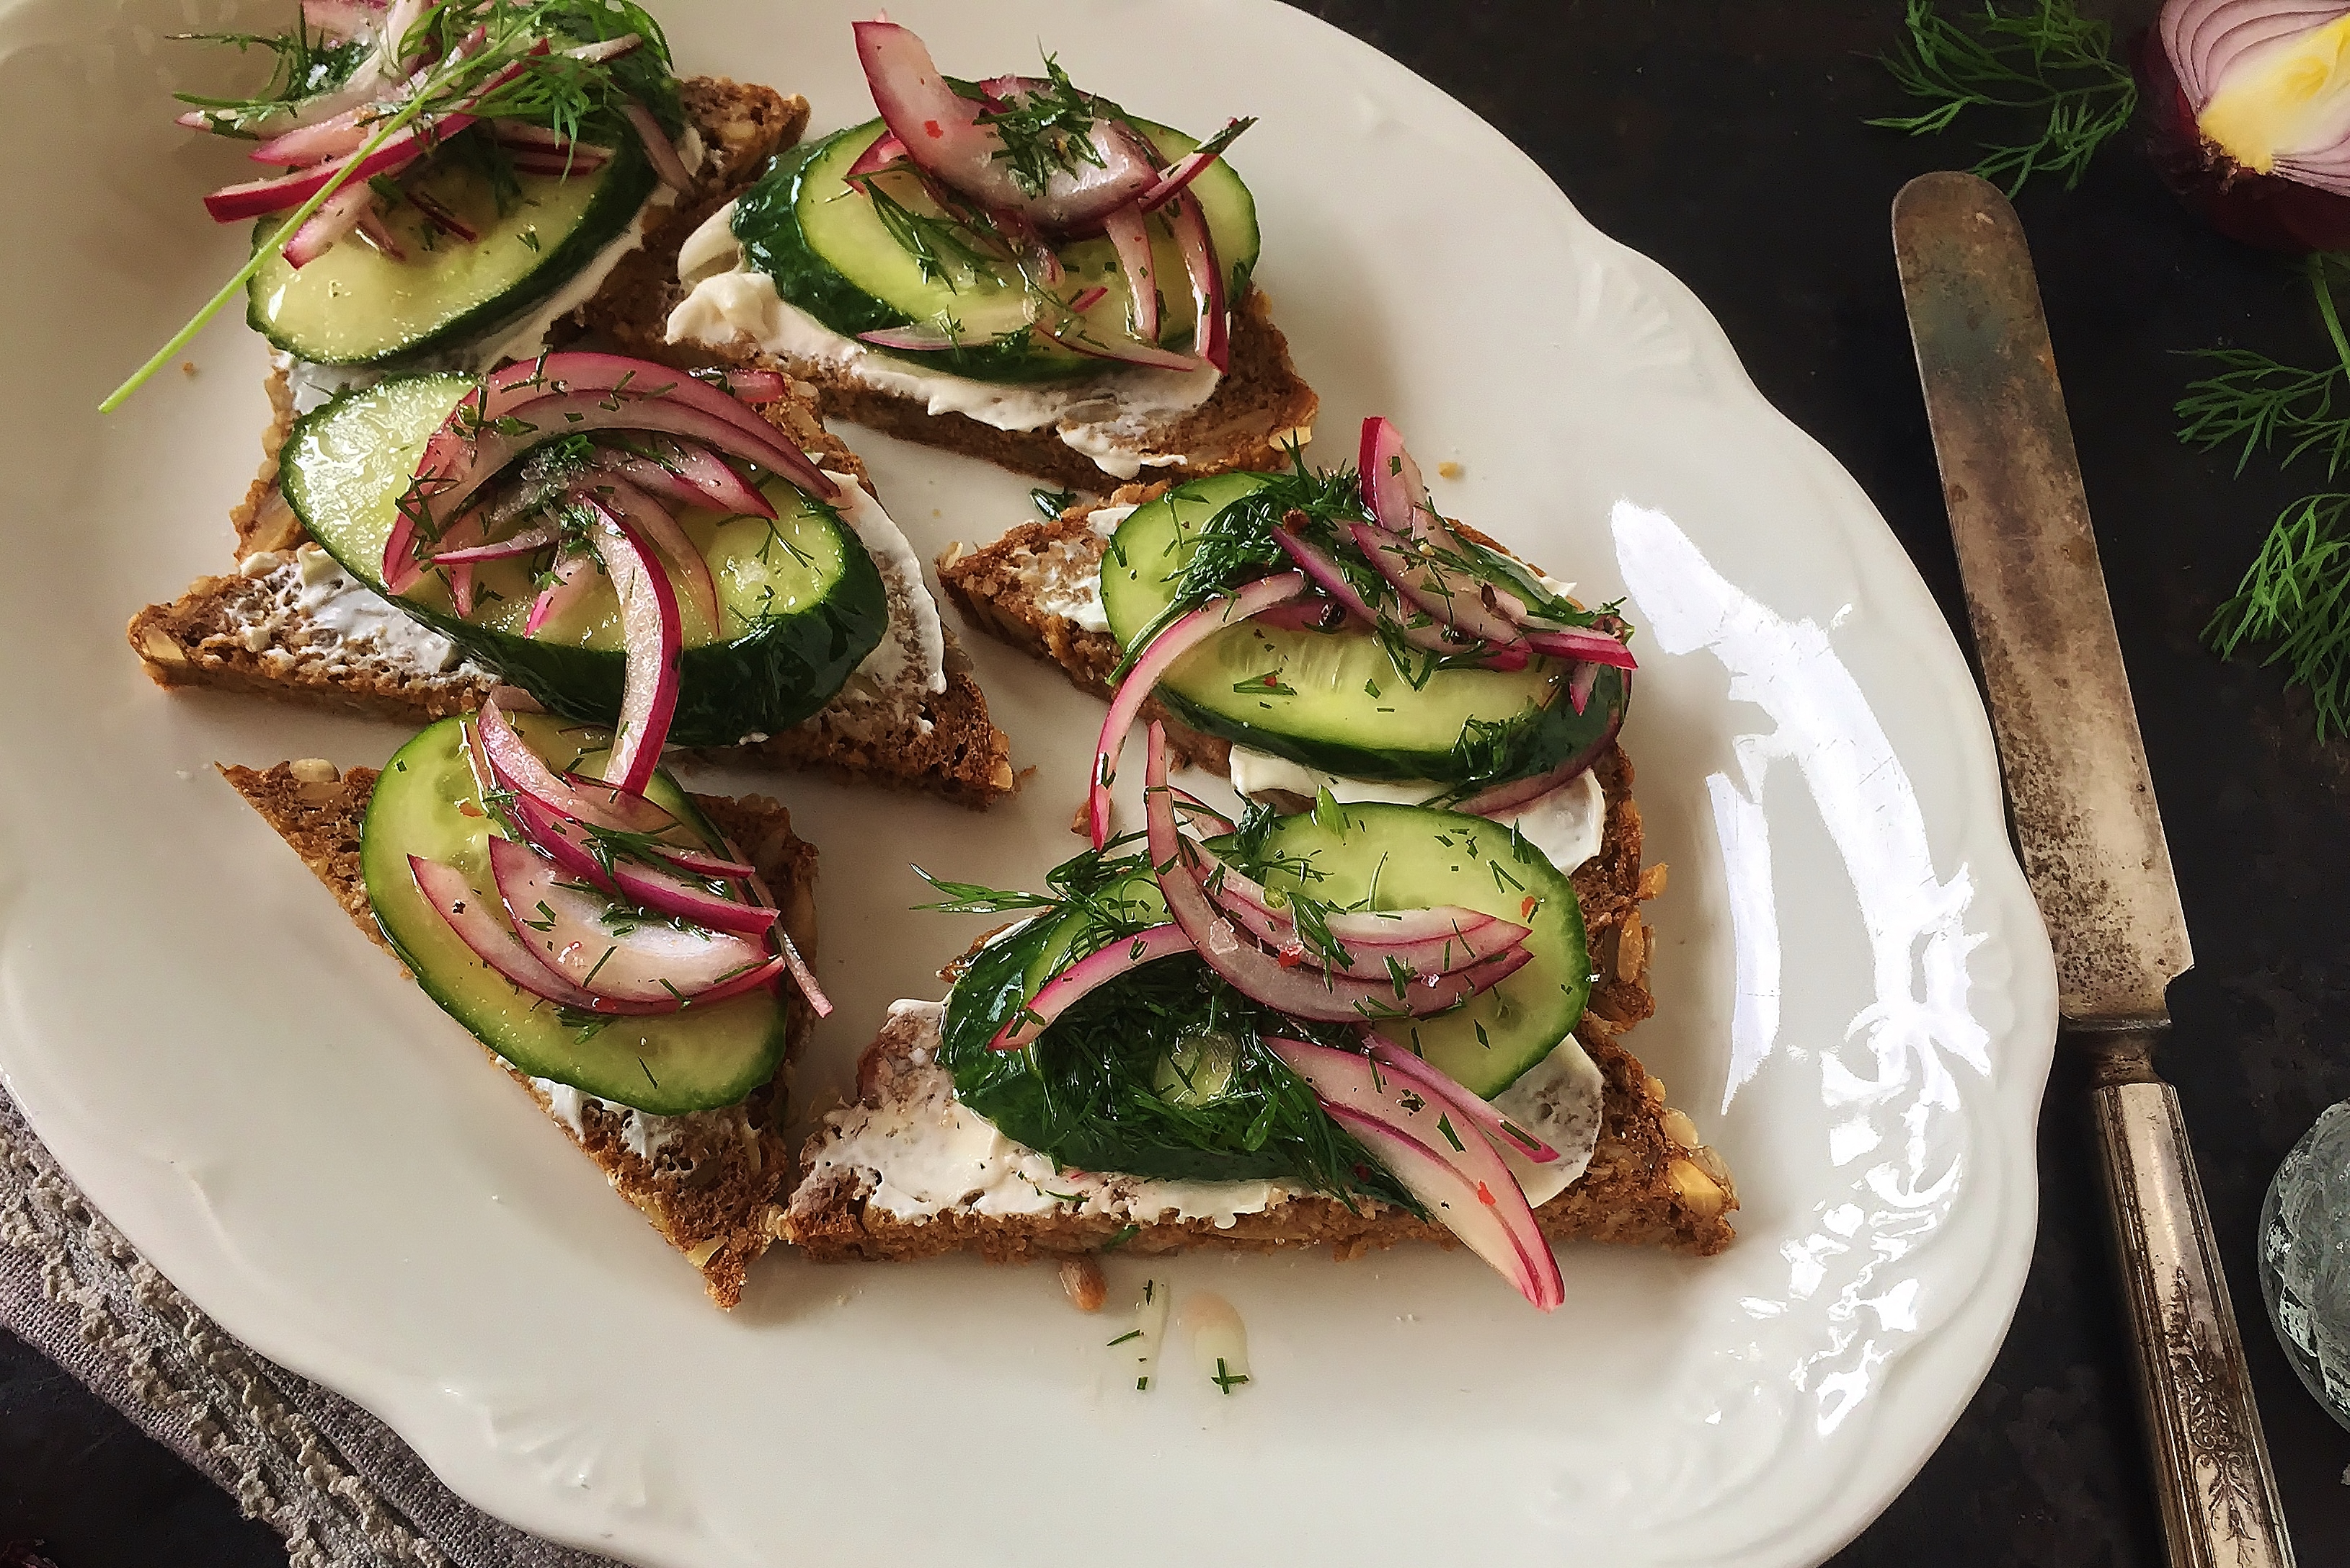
<point x="1723" y="138"/>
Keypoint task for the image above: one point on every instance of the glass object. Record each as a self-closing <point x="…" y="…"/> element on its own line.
<point x="2305" y="1259"/>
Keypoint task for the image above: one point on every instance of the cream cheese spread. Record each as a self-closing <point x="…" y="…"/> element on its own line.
<point x="923" y="1152"/>
<point x="1567" y="825"/>
<point x="926" y="1153"/>
<point x="1068" y="574"/>
<point x="910" y="660"/>
<point x="642" y="1133"/>
<point x="1106" y="418"/>
<point x="336" y="616"/>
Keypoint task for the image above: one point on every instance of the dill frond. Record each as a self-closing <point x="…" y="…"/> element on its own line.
<point x="2295" y="601"/>
<point x="2256" y="403"/>
<point x="2044" y="60"/>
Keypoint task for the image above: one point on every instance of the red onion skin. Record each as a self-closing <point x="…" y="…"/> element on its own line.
<point x="2265" y="211"/>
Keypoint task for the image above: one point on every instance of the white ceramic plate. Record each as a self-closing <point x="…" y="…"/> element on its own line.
<point x="1857" y="999"/>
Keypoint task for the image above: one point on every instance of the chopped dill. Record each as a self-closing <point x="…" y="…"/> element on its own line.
<point x="2036" y="64"/>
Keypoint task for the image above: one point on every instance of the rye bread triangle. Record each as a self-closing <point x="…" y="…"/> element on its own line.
<point x="1652" y="1181"/>
<point x="248" y="630"/>
<point x="710" y="1182"/>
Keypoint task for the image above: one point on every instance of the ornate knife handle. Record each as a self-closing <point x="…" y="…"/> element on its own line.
<point x="2211" y="1467"/>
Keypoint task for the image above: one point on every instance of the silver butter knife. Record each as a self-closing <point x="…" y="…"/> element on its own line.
<point x="2084" y="811"/>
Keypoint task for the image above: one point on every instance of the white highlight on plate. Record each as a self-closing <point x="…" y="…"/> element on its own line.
<point x="1897" y="1127"/>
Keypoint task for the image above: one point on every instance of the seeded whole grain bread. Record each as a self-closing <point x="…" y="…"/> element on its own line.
<point x="709" y="1182"/>
<point x="1652" y="1181"/>
<point x="1259" y="406"/>
<point x="248" y="631"/>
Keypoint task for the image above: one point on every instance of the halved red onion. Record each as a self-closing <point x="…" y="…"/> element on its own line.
<point x="523" y="772"/>
<point x="1097" y="969"/>
<point x="667" y="536"/>
<point x="1461" y="1181"/>
<point x="1131" y="234"/>
<point x="1171" y="644"/>
<point x="655" y="642"/>
<point x="1332" y="579"/>
<point x="575" y="579"/>
<point x="1211" y="335"/>
<point x="1517" y="792"/>
<point x="939" y="127"/>
<point x="2244" y="98"/>
<point x="658" y="147"/>
<point x="1299" y="992"/>
<point x="1408" y="1064"/>
<point x="571" y="848"/>
<point x="1188" y="167"/>
<point x="1425" y="941"/>
<point x="572" y="933"/>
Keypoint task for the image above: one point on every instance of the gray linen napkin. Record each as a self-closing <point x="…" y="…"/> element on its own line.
<point x="333" y="1480"/>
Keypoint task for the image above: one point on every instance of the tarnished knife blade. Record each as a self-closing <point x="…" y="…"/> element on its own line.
<point x="2091" y="840"/>
<point x="2069" y="746"/>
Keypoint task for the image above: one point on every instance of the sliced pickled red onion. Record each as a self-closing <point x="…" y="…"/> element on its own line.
<point x="575" y="579"/>
<point x="668" y="537"/>
<point x="1211" y="335"/>
<point x="1424" y="941"/>
<point x="1332" y="579"/>
<point x="572" y="847"/>
<point x="1174" y="641"/>
<point x="1131" y="234"/>
<point x="1442" y="1086"/>
<point x="662" y="152"/>
<point x="655" y="641"/>
<point x="1089" y="973"/>
<point x="523" y="772"/>
<point x="1300" y="992"/>
<point x="1457" y="1176"/>
<point x="688" y="473"/>
<point x="1513" y="794"/>
<point x="573" y="935"/>
<point x="940" y="131"/>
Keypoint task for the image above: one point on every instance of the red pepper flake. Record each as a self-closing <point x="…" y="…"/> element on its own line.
<point x="467" y="808"/>
<point x="1526" y="910"/>
<point x="1484" y="1195"/>
<point x="1293" y="955"/>
<point x="930" y="129"/>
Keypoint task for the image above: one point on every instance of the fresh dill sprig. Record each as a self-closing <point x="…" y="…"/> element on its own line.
<point x="939" y="244"/>
<point x="2043" y="62"/>
<point x="2295" y="599"/>
<point x="1047" y="129"/>
<point x="2256" y="403"/>
<point x="553" y="90"/>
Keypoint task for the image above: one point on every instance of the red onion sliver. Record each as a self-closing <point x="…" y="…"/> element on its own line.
<point x="885" y="151"/>
<point x="655" y="641"/>
<point x="1332" y="579"/>
<point x="1407" y="1063"/>
<point x="1131" y="236"/>
<point x="570" y="847"/>
<point x="1426" y="941"/>
<point x="1056" y="995"/>
<point x="1518" y="793"/>
<point x="1461" y="1181"/>
<point x="654" y="962"/>
<point x="1169" y="645"/>
<point x="658" y="147"/>
<point x="523" y="772"/>
<point x="575" y="578"/>
<point x="1211" y="336"/>
<point x="522" y="543"/>
<point x="1183" y="171"/>
<point x="654" y="521"/>
<point x="1299" y="992"/>
<point x="482" y="925"/>
<point x="338" y="215"/>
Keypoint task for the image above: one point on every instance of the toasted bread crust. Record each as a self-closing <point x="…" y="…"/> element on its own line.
<point x="711" y="1187"/>
<point x="1651" y="1182"/>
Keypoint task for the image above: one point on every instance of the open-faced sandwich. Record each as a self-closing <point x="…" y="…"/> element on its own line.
<point x="1393" y="1012"/>
<point x="1016" y="269"/>
<point x="630" y="953"/>
<point x="468" y="179"/>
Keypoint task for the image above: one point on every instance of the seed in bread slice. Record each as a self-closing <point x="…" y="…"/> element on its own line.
<point x="709" y="1182"/>
<point x="1651" y="1182"/>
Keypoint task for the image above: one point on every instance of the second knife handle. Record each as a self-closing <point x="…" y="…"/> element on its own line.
<point x="2211" y="1468"/>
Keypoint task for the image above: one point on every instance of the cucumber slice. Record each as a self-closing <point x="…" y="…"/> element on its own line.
<point x="426" y="803"/>
<point x="1407" y="858"/>
<point x="1335" y="700"/>
<point x="802" y="602"/>
<point x="355" y="305"/>
<point x="831" y="254"/>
